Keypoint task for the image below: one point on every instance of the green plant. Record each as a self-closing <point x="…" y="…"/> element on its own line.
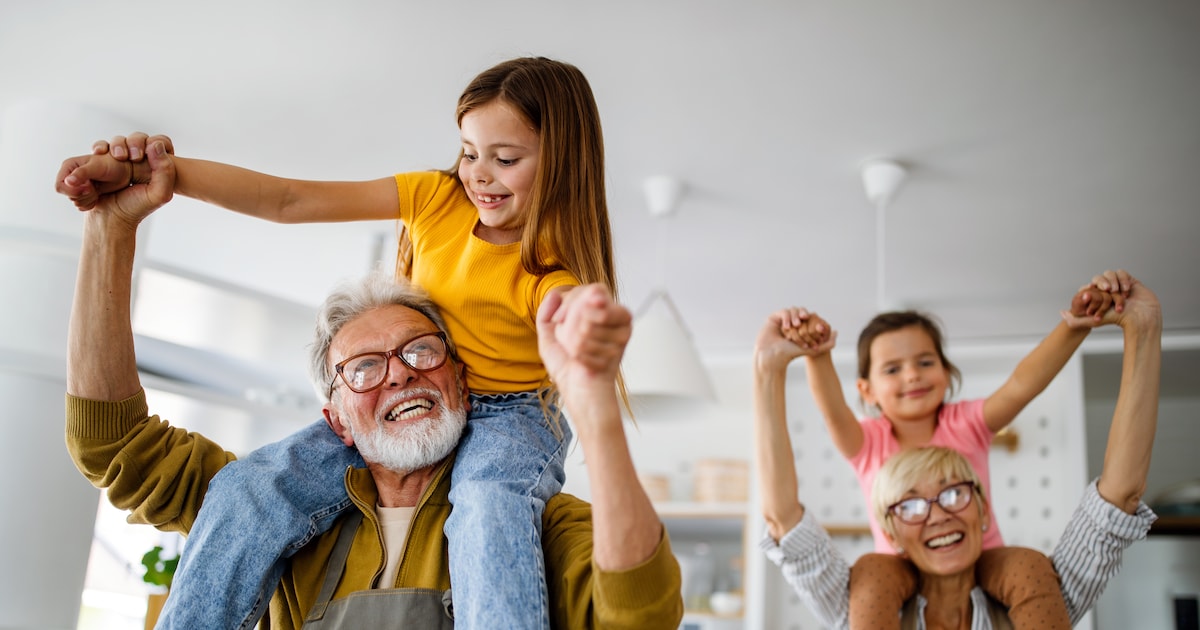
<point x="159" y="571"/>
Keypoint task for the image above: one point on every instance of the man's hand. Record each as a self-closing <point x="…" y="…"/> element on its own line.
<point x="582" y="334"/>
<point x="133" y="203"/>
<point x="132" y="147"/>
<point x="110" y="167"/>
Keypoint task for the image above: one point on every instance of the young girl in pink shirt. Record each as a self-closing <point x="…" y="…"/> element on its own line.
<point x="903" y="372"/>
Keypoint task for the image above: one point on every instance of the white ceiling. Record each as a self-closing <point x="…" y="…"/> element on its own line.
<point x="1047" y="141"/>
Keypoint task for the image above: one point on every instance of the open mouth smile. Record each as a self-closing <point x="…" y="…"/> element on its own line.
<point x="944" y="540"/>
<point x="409" y="409"/>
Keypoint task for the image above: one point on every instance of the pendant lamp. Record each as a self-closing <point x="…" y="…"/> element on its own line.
<point x="661" y="360"/>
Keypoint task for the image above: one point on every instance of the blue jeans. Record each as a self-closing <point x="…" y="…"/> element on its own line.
<point x="510" y="462"/>
<point x="257" y="511"/>
<point x="261" y="509"/>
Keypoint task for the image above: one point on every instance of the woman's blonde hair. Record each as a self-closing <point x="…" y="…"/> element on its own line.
<point x="904" y="470"/>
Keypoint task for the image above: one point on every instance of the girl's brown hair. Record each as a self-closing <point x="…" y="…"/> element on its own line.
<point x="566" y="223"/>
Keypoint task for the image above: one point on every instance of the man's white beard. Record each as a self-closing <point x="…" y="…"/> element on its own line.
<point x="417" y="445"/>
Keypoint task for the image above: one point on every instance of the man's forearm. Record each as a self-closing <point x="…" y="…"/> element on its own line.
<point x="100" y="354"/>
<point x="626" y="528"/>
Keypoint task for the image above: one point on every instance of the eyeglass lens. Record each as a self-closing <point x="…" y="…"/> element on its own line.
<point x="916" y="510"/>
<point x="367" y="371"/>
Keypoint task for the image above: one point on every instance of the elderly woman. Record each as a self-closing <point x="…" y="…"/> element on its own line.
<point x="929" y="500"/>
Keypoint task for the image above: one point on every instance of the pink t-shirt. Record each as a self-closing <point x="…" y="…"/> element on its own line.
<point x="960" y="426"/>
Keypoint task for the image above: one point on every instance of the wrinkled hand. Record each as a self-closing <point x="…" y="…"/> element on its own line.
<point x="792" y="332"/>
<point x="133" y="203"/>
<point x="111" y="167"/>
<point x="582" y="335"/>
<point x="1095" y="301"/>
<point x="1141" y="309"/>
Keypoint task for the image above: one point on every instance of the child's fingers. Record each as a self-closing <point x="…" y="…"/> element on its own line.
<point x="1100" y="305"/>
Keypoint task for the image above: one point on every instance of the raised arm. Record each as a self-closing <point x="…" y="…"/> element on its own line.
<point x="817" y="340"/>
<point x="277" y="199"/>
<point x="100" y="353"/>
<point x="1131" y="436"/>
<point x="1035" y="372"/>
<point x="581" y="337"/>
<point x="804" y="552"/>
<point x="1111" y="516"/>
<point x="773" y="351"/>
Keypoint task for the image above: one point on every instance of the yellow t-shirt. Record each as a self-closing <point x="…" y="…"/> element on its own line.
<point x="488" y="299"/>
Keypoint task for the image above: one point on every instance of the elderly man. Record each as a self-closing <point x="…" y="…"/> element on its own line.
<point x="608" y="564"/>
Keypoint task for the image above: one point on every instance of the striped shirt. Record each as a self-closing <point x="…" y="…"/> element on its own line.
<point x="1086" y="558"/>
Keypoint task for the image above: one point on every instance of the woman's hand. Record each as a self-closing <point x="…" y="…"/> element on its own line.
<point x="789" y="333"/>
<point x="1100" y="301"/>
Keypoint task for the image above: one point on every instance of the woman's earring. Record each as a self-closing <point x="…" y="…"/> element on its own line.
<point x="899" y="549"/>
<point x="985" y="526"/>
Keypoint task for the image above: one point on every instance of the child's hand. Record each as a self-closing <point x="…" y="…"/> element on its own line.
<point x="805" y="329"/>
<point x="1096" y="302"/>
<point x="790" y="333"/>
<point x="85" y="178"/>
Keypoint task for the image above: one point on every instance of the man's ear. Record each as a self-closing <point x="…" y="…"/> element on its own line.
<point x="864" y="391"/>
<point x="334" y="419"/>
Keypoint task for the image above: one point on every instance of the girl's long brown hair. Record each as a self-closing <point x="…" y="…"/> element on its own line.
<point x="567" y="224"/>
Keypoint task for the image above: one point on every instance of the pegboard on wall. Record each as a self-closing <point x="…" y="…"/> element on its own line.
<point x="1035" y="488"/>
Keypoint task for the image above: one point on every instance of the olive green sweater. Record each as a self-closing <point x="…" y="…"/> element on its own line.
<point x="160" y="473"/>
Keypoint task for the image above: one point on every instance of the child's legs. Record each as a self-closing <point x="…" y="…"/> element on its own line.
<point x="879" y="585"/>
<point x="509" y="463"/>
<point x="257" y="511"/>
<point x="1025" y="581"/>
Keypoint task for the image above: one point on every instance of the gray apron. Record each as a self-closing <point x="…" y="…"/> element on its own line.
<point x="375" y="608"/>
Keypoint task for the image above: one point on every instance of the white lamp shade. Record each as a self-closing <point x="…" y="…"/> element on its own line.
<point x="661" y="360"/>
<point x="881" y="179"/>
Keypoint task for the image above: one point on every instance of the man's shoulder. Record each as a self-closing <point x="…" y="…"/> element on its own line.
<point x="567" y="514"/>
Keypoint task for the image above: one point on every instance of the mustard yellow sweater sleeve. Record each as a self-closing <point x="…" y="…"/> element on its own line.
<point x="581" y="596"/>
<point x="158" y="472"/>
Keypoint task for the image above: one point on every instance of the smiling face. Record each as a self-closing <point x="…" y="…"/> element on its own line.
<point x="498" y="168"/>
<point x="907" y="379"/>
<point x="415" y="418"/>
<point x="946" y="544"/>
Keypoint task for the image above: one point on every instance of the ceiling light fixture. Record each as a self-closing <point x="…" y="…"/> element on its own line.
<point x="661" y="359"/>
<point x="881" y="179"/>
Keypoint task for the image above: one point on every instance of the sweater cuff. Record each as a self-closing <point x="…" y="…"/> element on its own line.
<point x="649" y="590"/>
<point x="104" y="420"/>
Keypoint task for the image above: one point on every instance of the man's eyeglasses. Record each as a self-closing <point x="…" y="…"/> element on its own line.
<point x="915" y="511"/>
<point x="365" y="372"/>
